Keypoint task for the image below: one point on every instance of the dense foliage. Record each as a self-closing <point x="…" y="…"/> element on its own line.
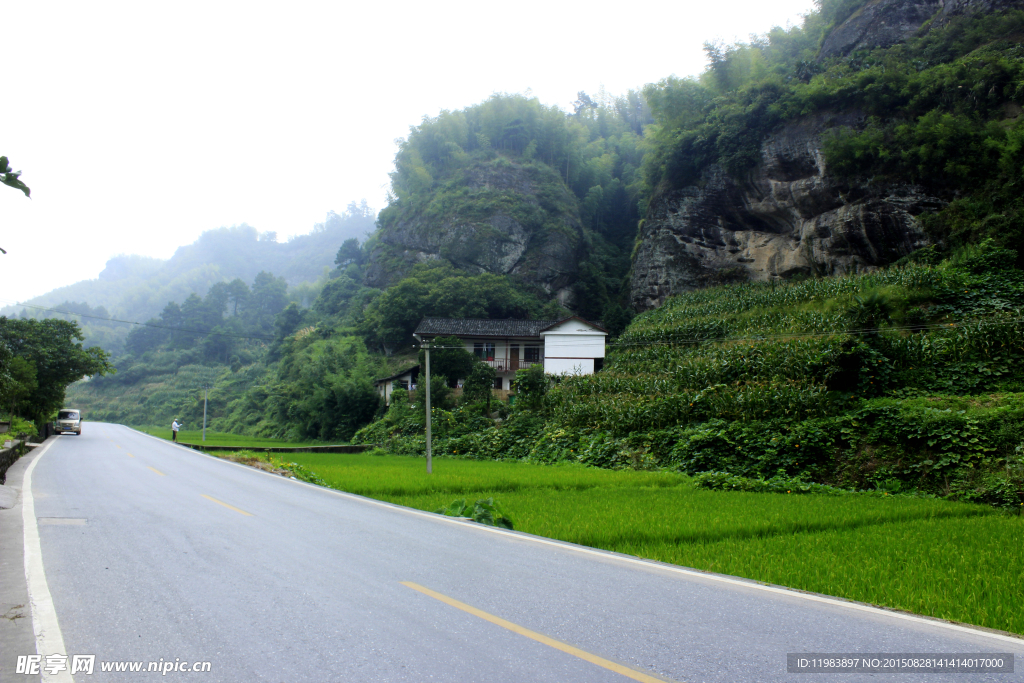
<point x="136" y="288"/>
<point x="909" y="378"/>
<point x="941" y="110"/>
<point x="38" y="360"/>
<point x="583" y="166"/>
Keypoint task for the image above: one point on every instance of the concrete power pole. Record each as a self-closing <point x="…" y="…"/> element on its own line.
<point x="205" y="397"/>
<point x="430" y="468"/>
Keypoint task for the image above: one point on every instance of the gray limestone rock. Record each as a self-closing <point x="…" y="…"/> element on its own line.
<point x="788" y="217"/>
<point x="505" y="222"/>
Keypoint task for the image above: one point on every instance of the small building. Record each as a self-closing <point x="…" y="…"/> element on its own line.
<point x="571" y="346"/>
<point x="406" y="379"/>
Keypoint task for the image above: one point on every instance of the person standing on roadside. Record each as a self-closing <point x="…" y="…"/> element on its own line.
<point x="174" y="430"/>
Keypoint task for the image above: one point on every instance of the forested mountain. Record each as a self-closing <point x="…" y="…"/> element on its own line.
<point x="512" y="187"/>
<point x="137" y="288"/>
<point x="826" y="224"/>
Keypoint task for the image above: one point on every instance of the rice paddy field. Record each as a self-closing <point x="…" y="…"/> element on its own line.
<point x="224" y="439"/>
<point x="933" y="557"/>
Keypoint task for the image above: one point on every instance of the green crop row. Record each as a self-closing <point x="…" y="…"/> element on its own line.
<point x="741" y="298"/>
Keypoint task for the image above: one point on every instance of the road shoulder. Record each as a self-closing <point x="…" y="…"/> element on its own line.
<point x="16" y="633"/>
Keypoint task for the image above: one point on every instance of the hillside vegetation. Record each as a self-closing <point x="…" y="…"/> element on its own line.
<point x="905" y="379"/>
<point x="136" y="288"/>
<point x="902" y="378"/>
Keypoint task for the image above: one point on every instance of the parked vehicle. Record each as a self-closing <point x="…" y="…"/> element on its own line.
<point x="69" y="420"/>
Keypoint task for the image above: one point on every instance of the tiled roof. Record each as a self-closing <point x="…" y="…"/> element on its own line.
<point x="415" y="369"/>
<point x="471" y="327"/>
<point x="598" y="324"/>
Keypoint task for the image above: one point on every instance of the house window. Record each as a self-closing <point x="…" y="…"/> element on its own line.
<point x="404" y="384"/>
<point x="483" y="350"/>
<point x="532" y="354"/>
<point x="497" y="383"/>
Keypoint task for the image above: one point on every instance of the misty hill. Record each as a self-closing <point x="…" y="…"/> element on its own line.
<point x="137" y="288"/>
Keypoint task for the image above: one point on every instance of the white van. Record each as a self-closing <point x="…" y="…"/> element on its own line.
<point x="69" y="420"/>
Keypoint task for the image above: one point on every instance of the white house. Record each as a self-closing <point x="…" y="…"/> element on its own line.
<point x="406" y="379"/>
<point x="571" y="346"/>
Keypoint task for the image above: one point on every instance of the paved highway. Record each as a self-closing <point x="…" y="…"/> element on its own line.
<point x="152" y="552"/>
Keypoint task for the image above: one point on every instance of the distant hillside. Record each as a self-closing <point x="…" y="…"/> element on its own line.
<point x="137" y="287"/>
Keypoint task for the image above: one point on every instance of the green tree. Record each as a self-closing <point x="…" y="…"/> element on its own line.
<point x="478" y="385"/>
<point x="531" y="387"/>
<point x="449" y="358"/>
<point x="349" y="253"/>
<point x="268" y="298"/>
<point x="23" y="383"/>
<point x="54" y="348"/>
<point x="440" y="393"/>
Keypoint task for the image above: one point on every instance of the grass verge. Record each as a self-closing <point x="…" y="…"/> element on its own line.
<point x="226" y="439"/>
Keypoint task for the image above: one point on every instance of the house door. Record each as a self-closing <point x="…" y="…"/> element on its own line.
<point x="514" y="357"/>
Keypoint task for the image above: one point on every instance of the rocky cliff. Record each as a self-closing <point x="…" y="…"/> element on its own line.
<point x="497" y="217"/>
<point x="883" y="23"/>
<point x="787" y="217"/>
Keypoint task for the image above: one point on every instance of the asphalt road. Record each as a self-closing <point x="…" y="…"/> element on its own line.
<point x="154" y="552"/>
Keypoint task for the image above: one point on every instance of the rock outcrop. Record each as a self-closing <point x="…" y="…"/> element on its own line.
<point x="787" y="217"/>
<point x="884" y="23"/>
<point x="499" y="217"/>
<point x="880" y="23"/>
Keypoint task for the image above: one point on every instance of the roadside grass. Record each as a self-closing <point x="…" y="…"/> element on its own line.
<point x="379" y="476"/>
<point x="224" y="438"/>
<point x="932" y="557"/>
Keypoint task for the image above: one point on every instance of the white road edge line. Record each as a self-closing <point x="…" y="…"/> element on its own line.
<point x="49" y="639"/>
<point x="649" y="564"/>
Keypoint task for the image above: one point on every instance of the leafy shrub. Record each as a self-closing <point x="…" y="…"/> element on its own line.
<point x="486" y="511"/>
<point x="723" y="481"/>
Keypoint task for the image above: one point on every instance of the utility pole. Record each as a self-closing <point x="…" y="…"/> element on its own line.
<point x="430" y="468"/>
<point x="205" y="397"/>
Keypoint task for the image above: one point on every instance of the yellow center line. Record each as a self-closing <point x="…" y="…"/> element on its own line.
<point x="551" y="642"/>
<point x="157" y="471"/>
<point x="130" y="455"/>
<point x="229" y="507"/>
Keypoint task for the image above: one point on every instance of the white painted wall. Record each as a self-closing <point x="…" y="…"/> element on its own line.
<point x="569" y="366"/>
<point x="571" y="347"/>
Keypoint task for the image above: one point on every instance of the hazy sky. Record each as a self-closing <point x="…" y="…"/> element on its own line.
<point x="139" y="125"/>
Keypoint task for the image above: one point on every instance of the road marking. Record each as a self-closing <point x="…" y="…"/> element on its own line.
<point x="130" y="455"/>
<point x="540" y="638"/>
<point x="157" y="471"/>
<point x="568" y="546"/>
<point x="44" y="617"/>
<point x="229" y="507"/>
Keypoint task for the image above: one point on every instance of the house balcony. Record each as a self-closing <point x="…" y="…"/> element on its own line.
<point x="509" y="365"/>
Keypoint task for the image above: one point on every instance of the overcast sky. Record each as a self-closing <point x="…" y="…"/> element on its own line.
<point x="139" y="125"/>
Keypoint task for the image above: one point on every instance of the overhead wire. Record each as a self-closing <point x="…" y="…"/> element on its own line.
<point x="135" y="322"/>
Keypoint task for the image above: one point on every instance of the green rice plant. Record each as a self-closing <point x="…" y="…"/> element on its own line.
<point x="964" y="569"/>
<point x="378" y="476"/>
<point x="225" y="439"/>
